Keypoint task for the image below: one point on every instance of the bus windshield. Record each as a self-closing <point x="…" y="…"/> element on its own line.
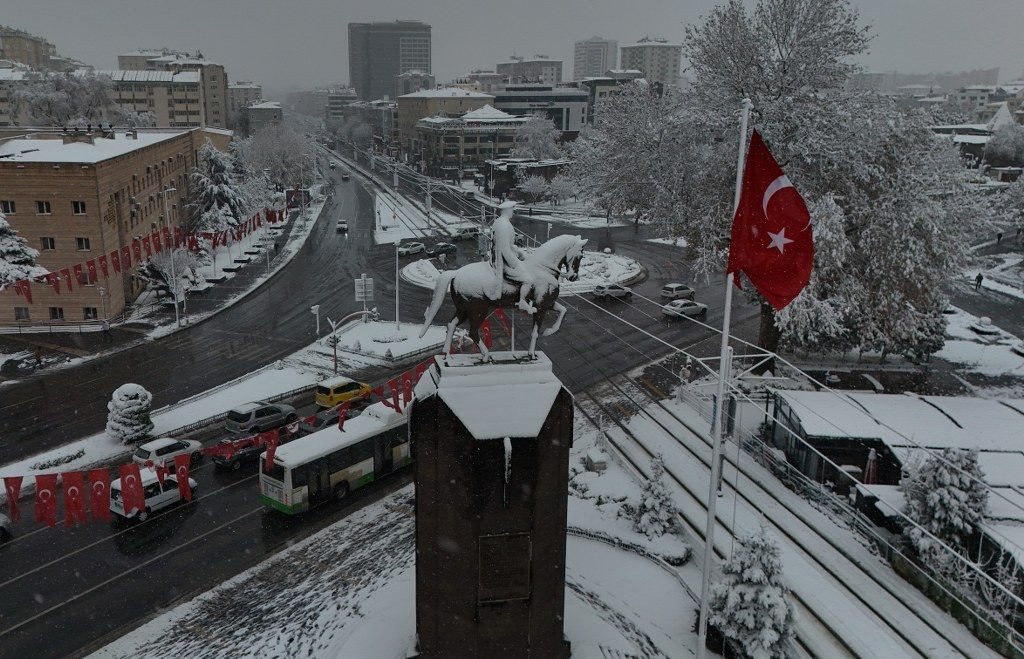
<point x="276" y="472"/>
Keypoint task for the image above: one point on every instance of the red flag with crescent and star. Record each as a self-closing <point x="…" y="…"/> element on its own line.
<point x="74" y="498"/>
<point x="12" y="484"/>
<point x="99" y="494"/>
<point x="181" y="463"/>
<point x="131" y="488"/>
<point x="772" y="239"/>
<point x="46" y="499"/>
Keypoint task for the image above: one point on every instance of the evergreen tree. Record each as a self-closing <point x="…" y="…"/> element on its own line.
<point x="128" y="419"/>
<point x="947" y="495"/>
<point x="750" y="604"/>
<point x="657" y="511"/>
<point x="17" y="259"/>
<point x="216" y="190"/>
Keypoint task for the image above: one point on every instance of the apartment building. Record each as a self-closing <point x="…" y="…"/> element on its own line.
<point x="539" y="68"/>
<point x="413" y="81"/>
<point x="174" y="99"/>
<point x="336" y="101"/>
<point x="79" y="196"/>
<point x="444" y="102"/>
<point x="214" y="78"/>
<point x="260" y="115"/>
<point x="657" y="59"/>
<point x="241" y="95"/>
<point x="32" y="51"/>
<point x="594" y="56"/>
<point x="377" y="52"/>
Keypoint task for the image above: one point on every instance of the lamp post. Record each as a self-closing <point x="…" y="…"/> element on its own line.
<point x="398" y="324"/>
<point x="175" y="284"/>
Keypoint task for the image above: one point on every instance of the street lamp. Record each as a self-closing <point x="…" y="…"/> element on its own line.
<point x="175" y="284"/>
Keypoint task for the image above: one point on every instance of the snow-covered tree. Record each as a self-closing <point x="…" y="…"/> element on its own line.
<point x="537" y="138"/>
<point x="128" y="414"/>
<point x="128" y="118"/>
<point x="535" y="186"/>
<point x="158" y="272"/>
<point x="656" y="513"/>
<point x="64" y="99"/>
<point x="17" y="259"/>
<point x="946" y="494"/>
<point x="1006" y="146"/>
<point x="362" y="136"/>
<point x="750" y="605"/>
<point x="217" y="201"/>
<point x="282" y="153"/>
<point x="560" y="188"/>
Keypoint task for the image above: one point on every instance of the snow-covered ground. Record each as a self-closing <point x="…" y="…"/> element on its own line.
<point x="376" y="343"/>
<point x="990" y="355"/>
<point x="673" y="242"/>
<point x="596" y="268"/>
<point x="400" y="219"/>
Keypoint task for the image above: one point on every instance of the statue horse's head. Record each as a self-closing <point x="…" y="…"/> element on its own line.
<point x="573" y="257"/>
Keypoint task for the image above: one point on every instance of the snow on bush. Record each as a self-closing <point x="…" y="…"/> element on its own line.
<point x="17" y="259"/>
<point x="750" y="605"/>
<point x="128" y="419"/>
<point x="946" y="494"/>
<point x="657" y="511"/>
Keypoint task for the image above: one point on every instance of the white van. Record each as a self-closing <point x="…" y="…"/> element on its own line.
<point x="157" y="498"/>
<point x="466" y="233"/>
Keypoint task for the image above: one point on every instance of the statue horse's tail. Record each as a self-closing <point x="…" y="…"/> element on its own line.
<point x="443" y="282"/>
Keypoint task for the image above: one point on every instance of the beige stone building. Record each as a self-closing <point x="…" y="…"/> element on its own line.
<point x="80" y="196"/>
<point x="444" y="102"/>
<point x="450" y="145"/>
<point x="241" y="95"/>
<point x="174" y="99"/>
<point x="213" y="77"/>
<point x="657" y="59"/>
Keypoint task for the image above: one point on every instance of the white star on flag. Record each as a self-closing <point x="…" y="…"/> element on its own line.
<point x="779" y="240"/>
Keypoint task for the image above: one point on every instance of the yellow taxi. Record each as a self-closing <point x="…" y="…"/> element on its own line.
<point x="337" y="390"/>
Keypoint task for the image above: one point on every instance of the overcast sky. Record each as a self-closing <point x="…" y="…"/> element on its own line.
<point x="299" y="43"/>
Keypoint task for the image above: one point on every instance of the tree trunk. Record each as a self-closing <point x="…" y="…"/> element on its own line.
<point x="768" y="336"/>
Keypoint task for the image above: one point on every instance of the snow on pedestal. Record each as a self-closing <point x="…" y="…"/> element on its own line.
<point x="128" y="419"/>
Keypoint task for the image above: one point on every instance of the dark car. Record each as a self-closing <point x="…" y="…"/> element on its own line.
<point x="443" y="248"/>
<point x="321" y="420"/>
<point x="248" y="453"/>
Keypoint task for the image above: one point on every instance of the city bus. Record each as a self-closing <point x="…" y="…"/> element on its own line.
<point x="330" y="463"/>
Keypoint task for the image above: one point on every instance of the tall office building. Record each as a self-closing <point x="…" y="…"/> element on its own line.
<point x="657" y="59"/>
<point x="594" y="56"/>
<point x="377" y="52"/>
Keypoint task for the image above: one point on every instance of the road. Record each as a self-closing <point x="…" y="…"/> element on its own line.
<point x="99" y="580"/>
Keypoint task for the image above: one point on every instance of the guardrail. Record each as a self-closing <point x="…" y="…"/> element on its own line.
<point x="81" y="327"/>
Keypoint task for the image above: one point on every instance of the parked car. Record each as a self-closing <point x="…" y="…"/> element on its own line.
<point x="6" y="532"/>
<point x="258" y="417"/>
<point x="165" y="449"/>
<point x="331" y="165"/>
<point x="443" y="248"/>
<point x="341" y="226"/>
<point x="344" y="176"/>
<point x="612" y="290"/>
<point x="337" y="390"/>
<point x="411" y="248"/>
<point x="677" y="292"/>
<point x="323" y="419"/>
<point x="247" y="453"/>
<point x="157" y="497"/>
<point x="677" y="308"/>
<point x="466" y="233"/>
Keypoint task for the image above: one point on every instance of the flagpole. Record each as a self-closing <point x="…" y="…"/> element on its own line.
<point x="717" y="422"/>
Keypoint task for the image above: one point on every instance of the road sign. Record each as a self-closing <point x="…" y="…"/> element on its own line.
<point x="364" y="288"/>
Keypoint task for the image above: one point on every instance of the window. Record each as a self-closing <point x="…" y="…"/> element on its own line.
<point x="7" y="206"/>
<point x="21" y="313"/>
<point x="78" y="207"/>
<point x="56" y="313"/>
<point x="82" y="244"/>
<point x="47" y="242"/>
<point x="42" y="208"/>
<point x="89" y="313"/>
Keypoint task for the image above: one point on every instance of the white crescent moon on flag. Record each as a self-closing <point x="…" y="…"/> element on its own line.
<point x="73" y="491"/>
<point x="97" y="487"/>
<point x="44" y="495"/>
<point x="778" y="184"/>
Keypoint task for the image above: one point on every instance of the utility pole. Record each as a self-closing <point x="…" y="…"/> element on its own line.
<point x="175" y="284"/>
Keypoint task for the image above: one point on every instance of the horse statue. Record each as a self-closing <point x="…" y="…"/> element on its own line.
<point x="471" y="288"/>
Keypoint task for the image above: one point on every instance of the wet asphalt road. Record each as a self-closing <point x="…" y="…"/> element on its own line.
<point x="93" y="583"/>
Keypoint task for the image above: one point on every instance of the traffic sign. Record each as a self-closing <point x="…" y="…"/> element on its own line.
<point x="364" y="288"/>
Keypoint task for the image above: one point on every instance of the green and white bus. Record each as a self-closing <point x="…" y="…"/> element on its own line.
<point x="330" y="463"/>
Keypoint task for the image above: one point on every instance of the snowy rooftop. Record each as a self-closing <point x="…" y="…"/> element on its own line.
<point x="187" y="77"/>
<point x="446" y="92"/>
<point x="266" y="105"/>
<point x="12" y="74"/>
<point x="52" y="149"/>
<point x="489" y="113"/>
<point x="505" y="398"/>
<point x="373" y="419"/>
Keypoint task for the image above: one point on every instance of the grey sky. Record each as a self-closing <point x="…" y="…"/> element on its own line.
<point x="299" y="43"/>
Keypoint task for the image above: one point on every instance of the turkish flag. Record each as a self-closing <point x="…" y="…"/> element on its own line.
<point x="115" y="261"/>
<point x="137" y="251"/>
<point x="74" y="498"/>
<point x="148" y="245"/>
<point x="393" y="385"/>
<point x="378" y="391"/>
<point x="407" y="378"/>
<point x="99" y="494"/>
<point x="24" y="288"/>
<point x="53" y="280"/>
<point x="193" y="243"/>
<point x="181" y="475"/>
<point x="485" y="333"/>
<point x="772" y="239"/>
<point x="78" y="274"/>
<point x="342" y="411"/>
<point x="131" y="488"/>
<point x="271" y="439"/>
<point x="503" y="319"/>
<point x="126" y="259"/>
<point x="420" y="370"/>
<point x="157" y="247"/>
<point x="166" y="233"/>
<point x="46" y="499"/>
<point x="66" y="273"/>
<point x="161" y="472"/>
<point x="103" y="265"/>
<point x="90" y="265"/>
<point x="13" y="486"/>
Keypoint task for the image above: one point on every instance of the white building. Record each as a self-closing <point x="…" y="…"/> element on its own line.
<point x="593" y="56"/>
<point x="241" y="95"/>
<point x="565" y="106"/>
<point x="539" y="68"/>
<point x="659" y="60"/>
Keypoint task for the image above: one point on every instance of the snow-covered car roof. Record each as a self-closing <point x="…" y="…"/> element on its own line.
<point x="158" y="443"/>
<point x="248" y="407"/>
<point x="334" y="382"/>
<point x="148" y="478"/>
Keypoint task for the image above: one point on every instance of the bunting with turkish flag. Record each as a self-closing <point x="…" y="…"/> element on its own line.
<point x="12" y="484"/>
<point x="772" y="240"/>
<point x="79" y="277"/>
<point x="181" y="463"/>
<point x="74" y="498"/>
<point x="161" y="472"/>
<point x="503" y="319"/>
<point x="147" y="244"/>
<point x="103" y="265"/>
<point x="137" y="251"/>
<point x="407" y="385"/>
<point x="132" y="496"/>
<point x="90" y="265"/>
<point x="485" y="333"/>
<point x="46" y="499"/>
<point x="166" y="233"/>
<point x="66" y="274"/>
<point x="157" y="246"/>
<point x="53" y="280"/>
<point x="24" y="288"/>
<point x="126" y="257"/>
<point x="99" y="494"/>
<point x="271" y="442"/>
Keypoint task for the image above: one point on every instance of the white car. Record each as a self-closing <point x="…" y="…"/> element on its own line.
<point x="677" y="308"/>
<point x="157" y="498"/>
<point x="612" y="290"/>
<point x="411" y="248"/>
<point x="677" y="292"/>
<point x="160" y="451"/>
<point x="341" y="226"/>
<point x="466" y="233"/>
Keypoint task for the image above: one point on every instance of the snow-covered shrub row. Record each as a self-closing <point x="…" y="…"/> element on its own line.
<point x="56" y="462"/>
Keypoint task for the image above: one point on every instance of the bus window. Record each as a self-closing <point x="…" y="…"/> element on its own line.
<point x="339" y="460"/>
<point x="276" y="472"/>
<point x="299" y="477"/>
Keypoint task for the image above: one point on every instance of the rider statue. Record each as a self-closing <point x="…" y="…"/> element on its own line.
<point x="507" y="258"/>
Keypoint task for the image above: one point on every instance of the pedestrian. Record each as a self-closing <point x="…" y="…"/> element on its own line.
<point x="999" y="237"/>
<point x="977" y="282"/>
<point x="39" y="356"/>
<point x="106" y="331"/>
<point x="277" y="247"/>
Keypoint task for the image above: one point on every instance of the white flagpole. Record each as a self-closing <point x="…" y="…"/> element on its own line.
<point x="718" y="422"/>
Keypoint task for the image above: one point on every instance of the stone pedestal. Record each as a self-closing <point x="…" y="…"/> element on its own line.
<point x="491" y="445"/>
